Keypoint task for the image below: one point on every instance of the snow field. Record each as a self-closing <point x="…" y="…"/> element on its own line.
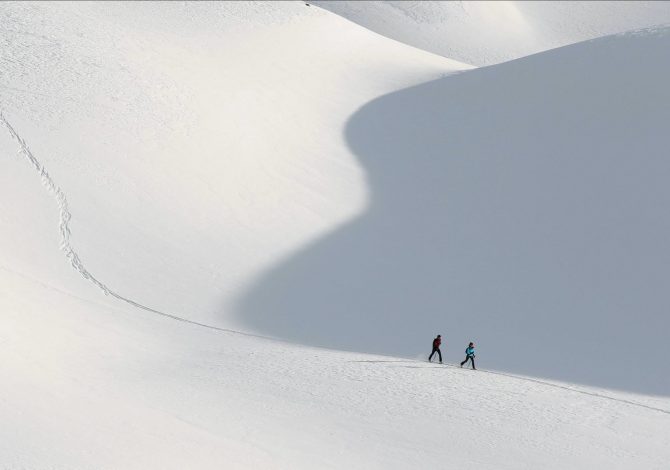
<point x="196" y="152"/>
<point x="491" y="32"/>
<point x="109" y="388"/>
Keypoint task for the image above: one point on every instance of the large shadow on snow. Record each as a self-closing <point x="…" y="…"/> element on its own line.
<point x="523" y="206"/>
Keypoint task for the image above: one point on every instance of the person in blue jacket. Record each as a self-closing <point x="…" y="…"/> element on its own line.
<point x="470" y="355"/>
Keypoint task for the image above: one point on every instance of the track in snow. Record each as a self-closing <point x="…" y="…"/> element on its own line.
<point x="66" y="246"/>
<point x="76" y="263"/>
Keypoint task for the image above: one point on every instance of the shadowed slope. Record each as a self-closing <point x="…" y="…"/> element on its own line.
<point x="522" y="206"/>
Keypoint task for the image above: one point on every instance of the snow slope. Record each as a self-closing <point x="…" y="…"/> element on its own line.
<point x="189" y="165"/>
<point x="485" y="33"/>
<point x="91" y="386"/>
<point x="520" y="206"/>
<point x="167" y="154"/>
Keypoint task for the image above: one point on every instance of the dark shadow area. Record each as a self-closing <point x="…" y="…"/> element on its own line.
<point x="522" y="206"/>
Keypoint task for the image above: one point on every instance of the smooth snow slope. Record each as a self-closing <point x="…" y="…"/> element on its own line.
<point x="178" y="149"/>
<point x="521" y="206"/>
<point x="484" y="33"/>
<point x="89" y="386"/>
<point x="194" y="143"/>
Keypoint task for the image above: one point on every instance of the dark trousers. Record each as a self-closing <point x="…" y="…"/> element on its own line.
<point x="439" y="353"/>
<point x="471" y="359"/>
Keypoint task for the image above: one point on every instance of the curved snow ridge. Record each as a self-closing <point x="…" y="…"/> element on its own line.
<point x="66" y="246"/>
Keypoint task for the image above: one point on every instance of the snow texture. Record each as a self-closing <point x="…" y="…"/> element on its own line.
<point x="228" y="173"/>
<point x="490" y="32"/>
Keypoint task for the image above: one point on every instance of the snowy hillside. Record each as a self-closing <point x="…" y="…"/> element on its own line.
<point x="490" y="32"/>
<point x="181" y="181"/>
<point x="189" y="165"/>
<point x="518" y="205"/>
<point x="88" y="386"/>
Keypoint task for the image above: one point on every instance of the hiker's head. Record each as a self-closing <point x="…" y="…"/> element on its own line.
<point x="439" y="336"/>
<point x="472" y="344"/>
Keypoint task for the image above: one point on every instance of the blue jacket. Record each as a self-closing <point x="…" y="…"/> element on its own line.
<point x="470" y="351"/>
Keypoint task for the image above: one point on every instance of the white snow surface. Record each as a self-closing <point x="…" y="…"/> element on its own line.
<point x="91" y="386"/>
<point x="212" y="166"/>
<point x="490" y="32"/>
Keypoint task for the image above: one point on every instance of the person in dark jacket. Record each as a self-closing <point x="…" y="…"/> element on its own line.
<point x="470" y="355"/>
<point x="436" y="348"/>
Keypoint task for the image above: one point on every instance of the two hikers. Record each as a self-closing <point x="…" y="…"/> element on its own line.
<point x="436" y="348"/>
<point x="469" y="352"/>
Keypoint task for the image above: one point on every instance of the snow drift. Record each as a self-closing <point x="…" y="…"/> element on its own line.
<point x="485" y="33"/>
<point x="521" y="206"/>
<point x="173" y="151"/>
<point x="195" y="143"/>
